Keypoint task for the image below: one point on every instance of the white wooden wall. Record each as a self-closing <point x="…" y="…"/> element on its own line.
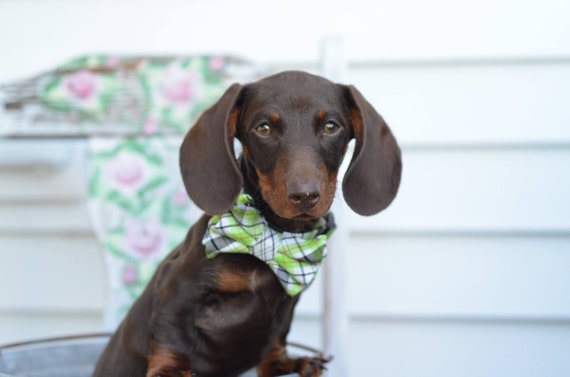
<point x="466" y="274"/>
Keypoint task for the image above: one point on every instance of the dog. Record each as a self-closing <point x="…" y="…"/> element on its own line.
<point x="218" y="314"/>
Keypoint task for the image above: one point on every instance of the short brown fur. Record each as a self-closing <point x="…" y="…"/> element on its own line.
<point x="218" y="317"/>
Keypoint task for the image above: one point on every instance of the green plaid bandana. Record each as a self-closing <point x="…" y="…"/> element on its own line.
<point x="294" y="257"/>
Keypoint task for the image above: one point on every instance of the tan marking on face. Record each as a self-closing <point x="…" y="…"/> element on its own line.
<point x="328" y="189"/>
<point x="246" y="150"/>
<point x="273" y="189"/>
<point x="233" y="120"/>
<point x="357" y="123"/>
<point x="274" y="117"/>
<point x="322" y="115"/>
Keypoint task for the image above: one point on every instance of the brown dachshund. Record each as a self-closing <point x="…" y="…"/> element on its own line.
<point x="219" y="316"/>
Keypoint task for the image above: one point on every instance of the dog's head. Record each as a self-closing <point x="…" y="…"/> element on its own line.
<point x="294" y="128"/>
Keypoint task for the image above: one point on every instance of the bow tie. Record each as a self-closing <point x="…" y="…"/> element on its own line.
<point x="294" y="257"/>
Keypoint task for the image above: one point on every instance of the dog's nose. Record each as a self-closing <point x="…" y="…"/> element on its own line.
<point x="304" y="197"/>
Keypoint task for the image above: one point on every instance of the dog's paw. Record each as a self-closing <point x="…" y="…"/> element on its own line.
<point x="175" y="374"/>
<point x="278" y="363"/>
<point x="311" y="366"/>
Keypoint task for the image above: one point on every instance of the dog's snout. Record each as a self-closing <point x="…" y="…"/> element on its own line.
<point x="304" y="196"/>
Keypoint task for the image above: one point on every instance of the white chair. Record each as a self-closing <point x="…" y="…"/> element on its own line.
<point x="134" y="111"/>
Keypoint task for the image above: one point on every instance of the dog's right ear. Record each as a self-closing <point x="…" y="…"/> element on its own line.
<point x="207" y="160"/>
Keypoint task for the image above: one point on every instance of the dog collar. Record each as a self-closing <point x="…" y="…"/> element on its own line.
<point x="294" y="257"/>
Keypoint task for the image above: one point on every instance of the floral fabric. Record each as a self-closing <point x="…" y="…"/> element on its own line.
<point x="140" y="212"/>
<point x="107" y="94"/>
<point x="138" y="203"/>
<point x="147" y="95"/>
<point x="135" y="110"/>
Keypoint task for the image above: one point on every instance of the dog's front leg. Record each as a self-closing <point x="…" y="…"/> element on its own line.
<point x="277" y="363"/>
<point x="163" y="362"/>
<point x="169" y="343"/>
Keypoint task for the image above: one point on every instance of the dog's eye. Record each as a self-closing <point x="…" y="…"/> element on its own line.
<point x="331" y="128"/>
<point x="263" y="129"/>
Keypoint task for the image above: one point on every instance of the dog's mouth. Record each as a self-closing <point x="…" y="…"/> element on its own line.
<point x="294" y="222"/>
<point x="305" y="217"/>
<point x="299" y="209"/>
<point x="292" y="213"/>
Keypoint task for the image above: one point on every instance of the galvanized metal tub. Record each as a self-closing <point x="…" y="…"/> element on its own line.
<point x="73" y="356"/>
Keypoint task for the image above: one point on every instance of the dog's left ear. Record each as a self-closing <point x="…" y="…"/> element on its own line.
<point x="207" y="161"/>
<point x="373" y="176"/>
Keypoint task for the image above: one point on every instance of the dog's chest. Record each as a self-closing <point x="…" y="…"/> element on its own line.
<point x="243" y="311"/>
<point x="239" y="287"/>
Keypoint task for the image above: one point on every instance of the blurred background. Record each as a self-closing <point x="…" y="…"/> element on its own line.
<point x="466" y="274"/>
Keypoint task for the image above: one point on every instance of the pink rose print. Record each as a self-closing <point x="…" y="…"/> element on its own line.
<point x="112" y="61"/>
<point x="181" y="198"/>
<point x="180" y="86"/>
<point x="216" y="63"/>
<point x="145" y="237"/>
<point x="82" y="84"/>
<point x="130" y="275"/>
<point x="151" y="125"/>
<point x="128" y="171"/>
